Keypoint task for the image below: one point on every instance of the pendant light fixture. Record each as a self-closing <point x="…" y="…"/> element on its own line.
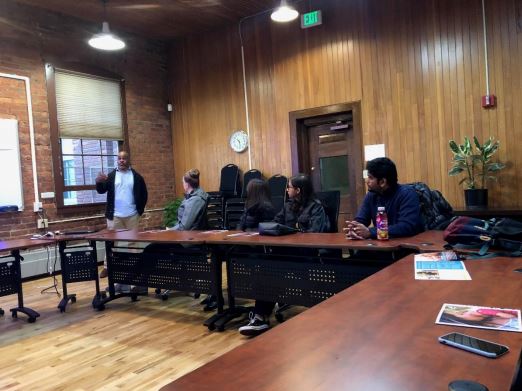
<point x="105" y="40"/>
<point x="284" y="13"/>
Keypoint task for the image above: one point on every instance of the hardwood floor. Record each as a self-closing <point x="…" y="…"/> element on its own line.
<point x="129" y="346"/>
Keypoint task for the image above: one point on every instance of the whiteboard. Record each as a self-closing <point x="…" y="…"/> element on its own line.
<point x="11" y="192"/>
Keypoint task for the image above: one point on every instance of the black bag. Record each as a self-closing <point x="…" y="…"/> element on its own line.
<point x="275" y="229"/>
<point x="436" y="212"/>
<point x="505" y="234"/>
<point x="508" y="235"/>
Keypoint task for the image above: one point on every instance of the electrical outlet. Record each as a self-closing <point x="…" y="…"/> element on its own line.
<point x="42" y="223"/>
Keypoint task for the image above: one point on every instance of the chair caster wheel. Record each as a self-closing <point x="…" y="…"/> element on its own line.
<point x="157" y="291"/>
<point x="31" y="320"/>
<point x="134" y="297"/>
<point x="221" y="328"/>
<point x="14" y="315"/>
<point x="280" y="318"/>
<point x="73" y="299"/>
<point x="196" y="295"/>
<point x="100" y="307"/>
<point x="2" y="312"/>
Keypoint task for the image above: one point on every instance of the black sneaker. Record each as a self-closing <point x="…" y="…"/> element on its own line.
<point x="206" y="300"/>
<point x="256" y="326"/>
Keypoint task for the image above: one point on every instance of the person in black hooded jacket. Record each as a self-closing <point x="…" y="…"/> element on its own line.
<point x="258" y="207"/>
<point x="302" y="211"/>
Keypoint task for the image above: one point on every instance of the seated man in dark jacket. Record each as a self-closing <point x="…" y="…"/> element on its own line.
<point x="401" y="204"/>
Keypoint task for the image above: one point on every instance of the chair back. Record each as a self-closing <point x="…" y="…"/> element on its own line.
<point x="277" y="186"/>
<point x="230" y="182"/>
<point x="249" y="175"/>
<point x="331" y="201"/>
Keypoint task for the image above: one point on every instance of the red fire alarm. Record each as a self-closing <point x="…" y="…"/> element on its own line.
<point x="489" y="101"/>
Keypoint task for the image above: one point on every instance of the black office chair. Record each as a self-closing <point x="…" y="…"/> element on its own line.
<point x="331" y="201"/>
<point x="230" y="184"/>
<point x="229" y="187"/>
<point x="277" y="185"/>
<point x="234" y="207"/>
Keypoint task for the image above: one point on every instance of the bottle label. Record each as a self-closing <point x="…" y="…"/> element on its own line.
<point x="382" y="226"/>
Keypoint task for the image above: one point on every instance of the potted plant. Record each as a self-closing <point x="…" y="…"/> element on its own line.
<point x="475" y="161"/>
<point x="170" y="215"/>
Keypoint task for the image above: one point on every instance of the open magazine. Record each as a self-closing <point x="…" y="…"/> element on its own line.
<point x="480" y="317"/>
<point x="442" y="265"/>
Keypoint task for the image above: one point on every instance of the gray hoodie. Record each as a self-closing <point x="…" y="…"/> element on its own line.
<point x="190" y="210"/>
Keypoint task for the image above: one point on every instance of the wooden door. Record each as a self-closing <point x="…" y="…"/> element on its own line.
<point x="334" y="159"/>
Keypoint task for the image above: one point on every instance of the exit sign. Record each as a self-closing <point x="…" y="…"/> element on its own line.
<point x="311" y="19"/>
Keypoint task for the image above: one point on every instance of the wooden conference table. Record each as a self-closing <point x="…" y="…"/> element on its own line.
<point x="267" y="276"/>
<point x="379" y="334"/>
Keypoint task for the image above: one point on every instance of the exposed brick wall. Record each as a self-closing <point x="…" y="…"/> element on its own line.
<point x="32" y="37"/>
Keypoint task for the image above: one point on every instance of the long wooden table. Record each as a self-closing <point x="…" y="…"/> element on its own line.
<point x="379" y="334"/>
<point x="303" y="282"/>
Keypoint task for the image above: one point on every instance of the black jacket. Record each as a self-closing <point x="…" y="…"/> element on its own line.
<point x="310" y="218"/>
<point x="139" y="190"/>
<point x="256" y="214"/>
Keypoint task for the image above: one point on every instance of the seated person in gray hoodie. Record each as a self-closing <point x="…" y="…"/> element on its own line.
<point x="192" y="209"/>
<point x="191" y="215"/>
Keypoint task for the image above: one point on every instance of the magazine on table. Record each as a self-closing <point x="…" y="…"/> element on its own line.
<point x="504" y="319"/>
<point x="443" y="265"/>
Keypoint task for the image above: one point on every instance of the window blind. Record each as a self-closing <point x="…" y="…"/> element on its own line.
<point x="88" y="107"/>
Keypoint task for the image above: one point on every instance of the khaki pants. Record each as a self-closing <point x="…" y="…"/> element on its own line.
<point x="131" y="222"/>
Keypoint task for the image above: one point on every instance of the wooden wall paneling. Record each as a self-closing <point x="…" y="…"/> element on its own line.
<point x="365" y="44"/>
<point x="422" y="140"/>
<point x="497" y="60"/>
<point x="259" y="71"/>
<point x="416" y="67"/>
<point x="516" y="86"/>
<point x="211" y="106"/>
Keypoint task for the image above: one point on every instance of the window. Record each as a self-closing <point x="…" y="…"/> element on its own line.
<point x="87" y="130"/>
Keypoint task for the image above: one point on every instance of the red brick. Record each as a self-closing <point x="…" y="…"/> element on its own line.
<point x="146" y="94"/>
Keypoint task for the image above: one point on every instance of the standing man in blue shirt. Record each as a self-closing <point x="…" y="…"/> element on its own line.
<point x="126" y="196"/>
<point x="401" y="204"/>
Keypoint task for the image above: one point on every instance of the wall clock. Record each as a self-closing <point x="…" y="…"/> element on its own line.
<point x="239" y="141"/>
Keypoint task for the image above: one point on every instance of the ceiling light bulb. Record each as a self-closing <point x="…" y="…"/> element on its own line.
<point x="105" y="40"/>
<point x="284" y="13"/>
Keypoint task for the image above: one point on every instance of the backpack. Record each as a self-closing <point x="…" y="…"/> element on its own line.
<point x="505" y="234"/>
<point x="436" y="212"/>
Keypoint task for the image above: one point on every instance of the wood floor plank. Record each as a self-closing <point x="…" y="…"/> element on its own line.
<point x="140" y="346"/>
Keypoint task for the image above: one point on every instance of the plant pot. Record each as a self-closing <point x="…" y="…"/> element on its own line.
<point x="476" y="198"/>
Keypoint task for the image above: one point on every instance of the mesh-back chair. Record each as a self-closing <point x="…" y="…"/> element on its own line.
<point x="277" y="186"/>
<point x="234" y="207"/>
<point x="331" y="201"/>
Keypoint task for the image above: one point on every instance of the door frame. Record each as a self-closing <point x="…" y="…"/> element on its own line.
<point x="299" y="139"/>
